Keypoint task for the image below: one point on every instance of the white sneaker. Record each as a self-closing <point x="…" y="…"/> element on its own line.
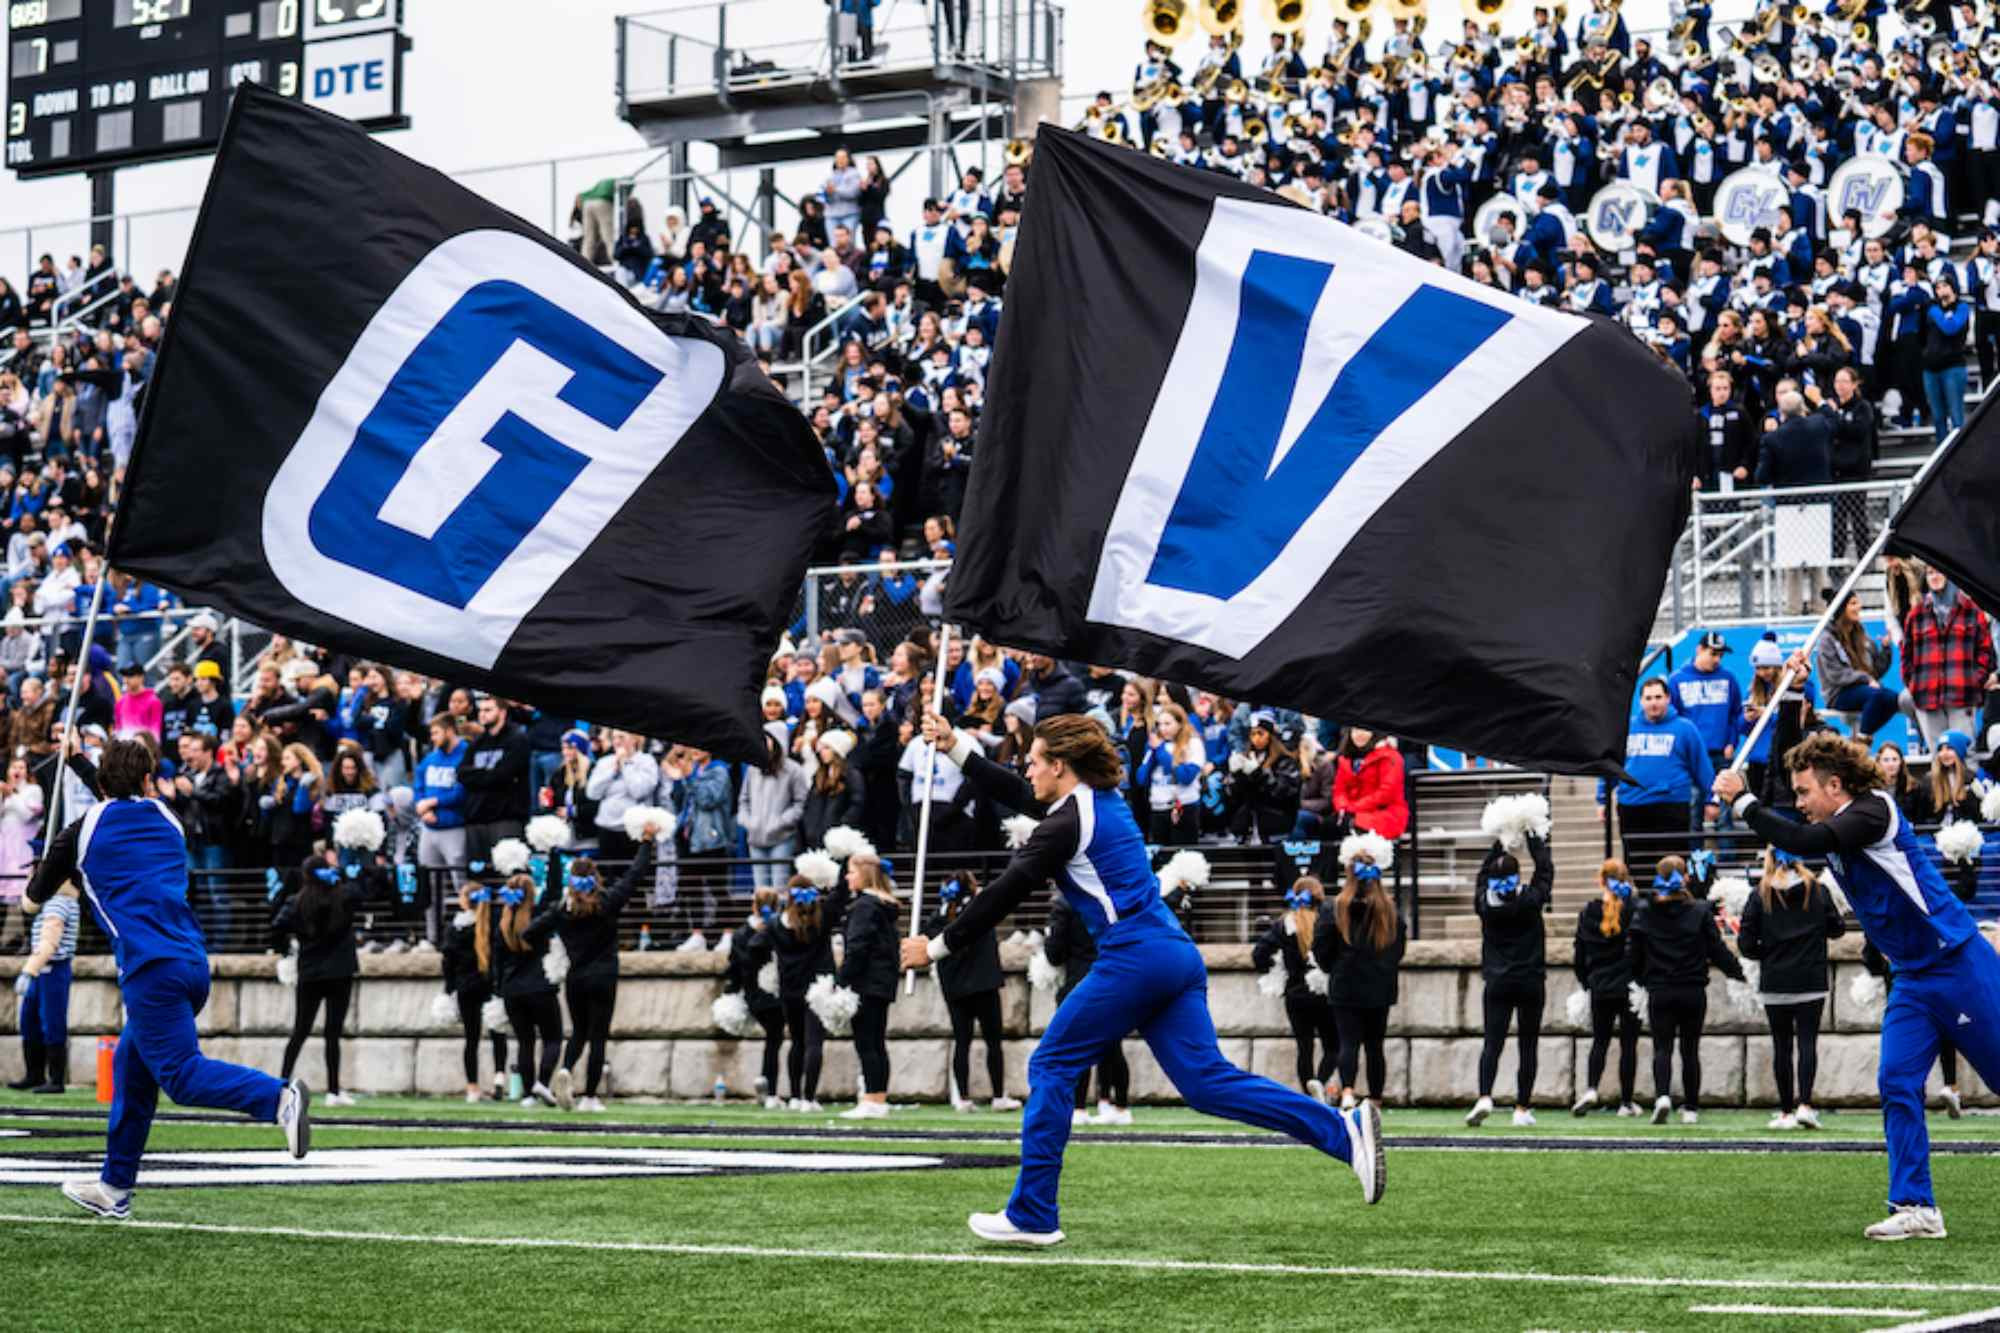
<point x="336" y="1099"/>
<point x="1005" y="1103"/>
<point x="811" y="1107"/>
<point x="565" y="1090"/>
<point x="1783" y="1121"/>
<point x="1079" y="1118"/>
<point x="964" y="1105"/>
<point x="590" y="1104"/>
<point x="867" y="1111"/>
<point x="1347" y="1101"/>
<point x="1805" y="1117"/>
<point x="1316" y="1090"/>
<point x="473" y="1096"/>
<point x="1690" y="1117"/>
<point x="1523" y="1118"/>
<point x="997" y="1229"/>
<point x="1584" y="1103"/>
<point x="773" y="1104"/>
<point x="1953" y="1107"/>
<point x="1364" y="1141"/>
<point x="1627" y="1111"/>
<point x="295" y="1117"/>
<point x="761" y="1089"/>
<point x="543" y="1094"/>
<point x="94" y="1196"/>
<point x="1480" y="1110"/>
<point x="1663" y="1106"/>
<point x="1908" y="1221"/>
<point x="1112" y="1115"/>
<point x="695" y="943"/>
<point x="528" y="1103"/>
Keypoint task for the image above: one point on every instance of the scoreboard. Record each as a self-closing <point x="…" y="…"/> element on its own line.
<point x="104" y="83"/>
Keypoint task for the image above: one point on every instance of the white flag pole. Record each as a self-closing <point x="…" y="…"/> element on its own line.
<point x="82" y="665"/>
<point x="924" y="815"/>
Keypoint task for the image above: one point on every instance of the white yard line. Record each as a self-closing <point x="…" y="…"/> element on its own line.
<point x="1019" y="1260"/>
<point x="1816" y="1311"/>
<point x="1943" y="1324"/>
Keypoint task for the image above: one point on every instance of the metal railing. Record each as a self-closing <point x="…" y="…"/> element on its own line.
<point x="1446" y="844"/>
<point x="860" y="597"/>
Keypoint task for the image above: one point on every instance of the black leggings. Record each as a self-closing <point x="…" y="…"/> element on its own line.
<point x="1795" y="1023"/>
<point x="591" y="1000"/>
<point x="1501" y="1009"/>
<point x="1114" y="1080"/>
<point x="871" y="1043"/>
<point x="1948" y="1063"/>
<point x="305" y="1006"/>
<point x="984" y="1010"/>
<point x="1163" y="830"/>
<point x="1312" y="1018"/>
<point x="772" y="1020"/>
<point x="537" y="1017"/>
<point x="470" y="1002"/>
<point x="1606" y="1013"/>
<point x="802" y="1063"/>
<point x="1677" y="1015"/>
<point x="1362" y="1029"/>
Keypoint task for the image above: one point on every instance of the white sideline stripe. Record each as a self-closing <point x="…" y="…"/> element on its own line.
<point x="1945" y="1323"/>
<point x="1817" y="1311"/>
<point x="1006" y="1260"/>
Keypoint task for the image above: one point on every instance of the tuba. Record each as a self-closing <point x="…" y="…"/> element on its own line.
<point x="1286" y="16"/>
<point x="1169" y="22"/>
<point x="1221" y="18"/>
<point x="1805" y="59"/>
<point x="1019" y="152"/>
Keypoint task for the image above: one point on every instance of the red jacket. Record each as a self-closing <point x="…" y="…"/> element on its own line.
<point x="1374" y="793"/>
<point x="1946" y="666"/>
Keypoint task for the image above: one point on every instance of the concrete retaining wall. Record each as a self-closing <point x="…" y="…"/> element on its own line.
<point x="664" y="1045"/>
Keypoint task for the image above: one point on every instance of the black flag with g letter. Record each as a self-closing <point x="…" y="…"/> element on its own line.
<point x="395" y="419"/>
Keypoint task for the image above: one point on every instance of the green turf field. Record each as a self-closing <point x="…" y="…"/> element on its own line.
<point x="1209" y="1228"/>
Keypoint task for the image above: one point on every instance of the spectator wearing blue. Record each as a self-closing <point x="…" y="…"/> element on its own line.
<point x="705" y="804"/>
<point x="1945" y="325"/>
<point x="1850" y="668"/>
<point x="1924" y="196"/>
<point x="1666" y="762"/>
<point x="983" y="656"/>
<point x="1706" y="694"/>
<point x="933" y="244"/>
<point x="137" y="608"/>
<point x="441" y="839"/>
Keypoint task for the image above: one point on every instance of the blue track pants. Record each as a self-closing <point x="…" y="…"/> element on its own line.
<point x="1957" y="997"/>
<point x="45" y="1008"/>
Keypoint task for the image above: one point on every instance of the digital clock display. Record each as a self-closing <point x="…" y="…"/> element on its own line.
<point x="141" y="13"/>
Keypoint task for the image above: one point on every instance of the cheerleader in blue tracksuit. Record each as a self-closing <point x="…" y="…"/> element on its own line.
<point x="130" y="858"/>
<point x="1947" y="979"/>
<point x="1148" y="973"/>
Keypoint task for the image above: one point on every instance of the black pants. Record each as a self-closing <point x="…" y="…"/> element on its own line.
<point x="613" y="847"/>
<point x="1986" y="341"/>
<point x="537" y="1018"/>
<point x="802" y="1061"/>
<point x="772" y="1020"/>
<point x="1312" y="1019"/>
<point x="1609" y="1013"/>
<point x="1362" y="1030"/>
<point x="1795" y="1035"/>
<point x="470" y="1001"/>
<point x="1502" y="1007"/>
<point x="1114" y="1080"/>
<point x="871" y="1043"/>
<point x="1163" y="830"/>
<point x="306" y="1000"/>
<point x="591" y="1000"/>
<point x="1676" y="1016"/>
<point x="982" y="1009"/>
<point x="1650" y="832"/>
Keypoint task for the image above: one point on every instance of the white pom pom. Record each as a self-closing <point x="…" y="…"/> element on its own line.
<point x="835" y="1005"/>
<point x="1019" y="937"/>
<point x="1732" y="892"/>
<point x="641" y="817"/>
<point x="1743" y="995"/>
<point x="362" y="829"/>
<point x="1578" y="1008"/>
<point x="1960" y="842"/>
<point x="463" y="919"/>
<point x="1188" y="869"/>
<point x="1867" y="990"/>
<point x="511" y="856"/>
<point x="818" y="867"/>
<point x="724" y="948"/>
<point x="1241" y="761"/>
<point x="555" y="963"/>
<point x="288" y="967"/>
<point x="1315" y="979"/>
<point x="1272" y="980"/>
<point x="1017" y="828"/>
<point x="1371" y="845"/>
<point x="493" y="1014"/>
<point x="1509" y="820"/>
<point x="767" y="977"/>
<point x="1042" y="974"/>
<point x="444" y="1009"/>
<point x="842" y="842"/>
<point x="548" y="832"/>
<point x="1989" y="805"/>
<point x="732" y="1015"/>
<point x="1635" y="996"/>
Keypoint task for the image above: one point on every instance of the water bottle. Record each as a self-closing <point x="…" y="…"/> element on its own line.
<point x="645" y="938"/>
<point x="721" y="1090"/>
<point x="515" y="1089"/>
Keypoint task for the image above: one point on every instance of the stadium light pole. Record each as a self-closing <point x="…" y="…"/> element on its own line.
<point x="924" y="815"/>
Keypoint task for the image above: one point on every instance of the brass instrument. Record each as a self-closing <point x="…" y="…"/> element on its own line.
<point x="1159" y="147"/>
<point x="1225" y="18"/>
<point x="1254" y="129"/>
<point x="1019" y="152"/>
<point x="1939" y="57"/>
<point x="1805" y="59"/>
<point x="1169" y="22"/>
<point x="1405" y="9"/>
<point x="1353" y="9"/>
<point x="1989" y="51"/>
<point x="1482" y="11"/>
<point x="1346" y="56"/>
<point x="1923" y="27"/>
<point x="1273" y="89"/>
<point x="1767" y="68"/>
<point x="1800" y="14"/>
<point x="1528" y="47"/>
<point x="1088" y="122"/>
<point x="1850" y="11"/>
<point x="1286" y="16"/>
<point x="1661" y="93"/>
<point x="1235" y="92"/>
<point x="1112" y="131"/>
<point x="1859" y="34"/>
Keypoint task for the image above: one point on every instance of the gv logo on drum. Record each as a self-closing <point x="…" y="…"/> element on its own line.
<point x="496" y="414"/>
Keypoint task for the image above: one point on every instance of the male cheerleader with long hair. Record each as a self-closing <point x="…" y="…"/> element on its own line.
<point x="1947" y="979"/>
<point x="1148" y="974"/>
<point x="129" y="856"/>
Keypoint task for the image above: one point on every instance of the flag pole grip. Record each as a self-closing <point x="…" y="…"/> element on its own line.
<point x="924" y="815"/>
<point x="69" y="713"/>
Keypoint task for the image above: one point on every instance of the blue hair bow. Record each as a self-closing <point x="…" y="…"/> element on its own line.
<point x="1298" y="900"/>
<point x="767" y="911"/>
<point x="479" y="895"/>
<point x="1702" y="862"/>
<point x="1783" y="857"/>
<point x="1503" y="886"/>
<point x="804" y="897"/>
<point x="475" y="867"/>
<point x="512" y="897"/>
<point x="351" y="870"/>
<point x="951" y="889"/>
<point x="1367" y="871"/>
<point x="1673" y="883"/>
<point x="1620" y="888"/>
<point x="583" y="883"/>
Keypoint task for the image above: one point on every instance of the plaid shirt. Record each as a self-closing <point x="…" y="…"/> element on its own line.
<point x="1946" y="665"/>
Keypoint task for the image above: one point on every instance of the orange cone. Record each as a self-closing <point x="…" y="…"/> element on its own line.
<point x="107" y="1047"/>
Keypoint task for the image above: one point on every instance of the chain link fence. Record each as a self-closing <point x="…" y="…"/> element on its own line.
<point x="884" y="601"/>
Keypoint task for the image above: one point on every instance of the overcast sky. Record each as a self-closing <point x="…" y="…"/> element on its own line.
<point x="491" y="82"/>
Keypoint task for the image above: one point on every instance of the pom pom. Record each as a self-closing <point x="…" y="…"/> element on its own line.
<point x="1743" y="995"/>
<point x="1960" y="842"/>
<point x="1732" y="892"/>
<point x="403" y="797"/>
<point x="728" y="944"/>
<point x="818" y="867"/>
<point x="1635" y="996"/>
<point x="1017" y="828"/>
<point x="1867" y="990"/>
<point x="1188" y="869"/>
<point x="1578" y="1008"/>
<point x="288" y="967"/>
<point x="732" y="1015"/>
<point x="1989" y="805"/>
<point x="548" y="832"/>
<point x="1271" y="981"/>
<point x="767" y="977"/>
<point x="463" y="919"/>
<point x="834" y="1004"/>
<point x="555" y="963"/>
<point x="361" y="829"/>
<point x="640" y="817"/>
<point x="1371" y="845"/>
<point x="493" y="1014"/>
<point x="1042" y="974"/>
<point x="1018" y="938"/>
<point x="844" y="843"/>
<point x="1241" y="761"/>
<point x="511" y="856"/>
<point x="1315" y="979"/>
<point x="1509" y="820"/>
<point x="444" y="1009"/>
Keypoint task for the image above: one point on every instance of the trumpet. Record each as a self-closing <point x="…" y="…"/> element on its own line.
<point x="1167" y="21"/>
<point x="1800" y="14"/>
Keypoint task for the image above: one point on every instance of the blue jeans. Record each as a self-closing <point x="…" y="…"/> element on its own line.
<point x="1148" y="976"/>
<point x="1945" y="391"/>
<point x="211" y="893"/>
<point x="138" y="642"/>
<point x="1924" y="1008"/>
<point x="1874" y="704"/>
<point x="771" y="866"/>
<point x="1307" y="825"/>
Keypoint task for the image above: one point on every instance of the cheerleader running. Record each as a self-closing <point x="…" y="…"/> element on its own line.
<point x="971" y="983"/>
<point x="1069" y="945"/>
<point x="320" y="916"/>
<point x="511" y="954"/>
<point x="1673" y="942"/>
<point x="749" y="949"/>
<point x="1363" y="983"/>
<point x="465" y="981"/>
<point x="1303" y="939"/>
<point x="588" y="927"/>
<point x="1786" y="924"/>
<point x="871" y="967"/>
<point x="1513" y="964"/>
<point x="1604" y="972"/>
<point x="802" y="937"/>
